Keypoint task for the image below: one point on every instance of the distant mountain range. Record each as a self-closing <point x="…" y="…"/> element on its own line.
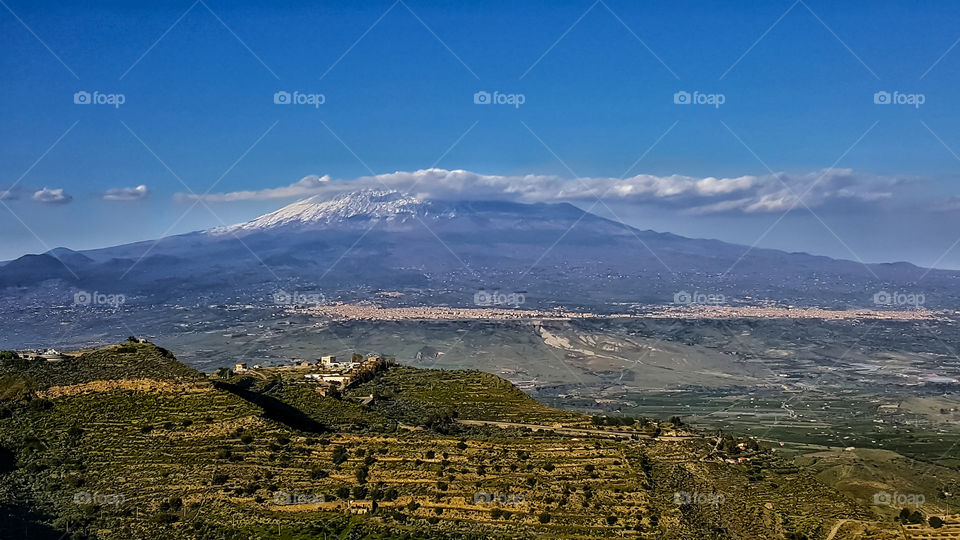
<point x="356" y="244"/>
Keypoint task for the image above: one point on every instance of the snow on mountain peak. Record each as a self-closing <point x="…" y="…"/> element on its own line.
<point x="318" y="210"/>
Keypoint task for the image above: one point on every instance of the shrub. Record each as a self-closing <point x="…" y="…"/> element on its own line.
<point x="362" y="473"/>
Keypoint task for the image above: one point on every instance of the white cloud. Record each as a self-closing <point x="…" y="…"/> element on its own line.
<point x="127" y="193"/>
<point x="52" y="196"/>
<point x="306" y="186"/>
<point x="743" y="194"/>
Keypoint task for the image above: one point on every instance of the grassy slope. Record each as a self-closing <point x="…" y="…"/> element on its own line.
<point x="220" y="461"/>
<point x="409" y="395"/>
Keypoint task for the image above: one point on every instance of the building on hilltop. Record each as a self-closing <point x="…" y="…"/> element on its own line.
<point x="328" y="361"/>
<point x="51" y="355"/>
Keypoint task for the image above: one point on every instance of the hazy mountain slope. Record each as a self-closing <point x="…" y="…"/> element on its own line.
<point x="387" y="240"/>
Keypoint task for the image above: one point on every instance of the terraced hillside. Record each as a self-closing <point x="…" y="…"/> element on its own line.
<point x="140" y="446"/>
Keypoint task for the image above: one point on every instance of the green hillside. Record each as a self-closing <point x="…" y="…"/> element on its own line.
<point x="126" y="442"/>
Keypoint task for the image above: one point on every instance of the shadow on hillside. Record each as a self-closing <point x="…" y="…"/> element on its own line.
<point x="274" y="409"/>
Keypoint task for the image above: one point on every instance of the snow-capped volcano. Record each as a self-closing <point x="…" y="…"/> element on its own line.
<point x="320" y="210"/>
<point x="387" y="240"/>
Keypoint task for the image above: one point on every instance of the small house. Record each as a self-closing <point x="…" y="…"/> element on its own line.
<point x="360" y="507"/>
<point x="328" y="360"/>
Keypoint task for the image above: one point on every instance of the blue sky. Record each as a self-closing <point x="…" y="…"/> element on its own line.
<point x="598" y="82"/>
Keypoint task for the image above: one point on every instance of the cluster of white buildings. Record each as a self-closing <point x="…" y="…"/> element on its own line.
<point x="342" y="373"/>
<point x="330" y="372"/>
<point x="51" y="355"/>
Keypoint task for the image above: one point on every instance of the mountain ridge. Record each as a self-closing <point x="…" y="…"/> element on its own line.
<point x="444" y="251"/>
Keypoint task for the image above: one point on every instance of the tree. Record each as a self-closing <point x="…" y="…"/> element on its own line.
<point x="544" y="518"/>
<point x="362" y="473"/>
<point x="339" y="454"/>
<point x="936" y="522"/>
